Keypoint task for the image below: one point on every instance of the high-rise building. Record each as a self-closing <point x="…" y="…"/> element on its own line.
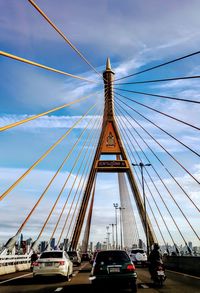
<point x="53" y="243"/>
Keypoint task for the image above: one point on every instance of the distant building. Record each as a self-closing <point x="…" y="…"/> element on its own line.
<point x="43" y="245"/>
<point x="52" y="243"/>
<point x="190" y="245"/>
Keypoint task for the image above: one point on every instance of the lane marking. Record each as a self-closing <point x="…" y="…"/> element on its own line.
<point x="183" y="274"/>
<point x="76" y="272"/>
<point x="144" y="286"/>
<point x="58" y="289"/>
<point x="15" y="278"/>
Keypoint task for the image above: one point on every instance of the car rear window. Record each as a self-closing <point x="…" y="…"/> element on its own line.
<point x="72" y="253"/>
<point x="110" y="257"/>
<point x="52" y="254"/>
<point x="137" y="250"/>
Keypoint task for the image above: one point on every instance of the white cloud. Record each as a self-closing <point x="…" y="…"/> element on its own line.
<point x="47" y="121"/>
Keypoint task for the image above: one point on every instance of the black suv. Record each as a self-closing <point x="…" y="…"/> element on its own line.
<point x="113" y="267"/>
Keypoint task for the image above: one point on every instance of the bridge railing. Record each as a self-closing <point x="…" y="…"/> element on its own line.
<point x="14" y="263"/>
<point x="184" y="264"/>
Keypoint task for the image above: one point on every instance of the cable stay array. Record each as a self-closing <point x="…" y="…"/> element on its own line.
<point x="88" y="140"/>
<point x="160" y="80"/>
<point x="157" y="111"/>
<point x="127" y="139"/>
<point x="157" y="158"/>
<point x="45" y="154"/>
<point x="156" y="172"/>
<point x="156" y="141"/>
<point x="160" y="65"/>
<point x="157" y="96"/>
<point x="166" y="132"/>
<point x="6" y="127"/>
<point x="132" y="156"/>
<point x="64" y="185"/>
<point x="5" y="54"/>
<point x="88" y="156"/>
<point x="54" y="177"/>
<point x="62" y="35"/>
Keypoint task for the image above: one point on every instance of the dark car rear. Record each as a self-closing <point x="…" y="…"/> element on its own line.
<point x="114" y="267"/>
<point x="74" y="257"/>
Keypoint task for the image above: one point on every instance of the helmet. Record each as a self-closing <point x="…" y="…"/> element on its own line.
<point x="156" y="246"/>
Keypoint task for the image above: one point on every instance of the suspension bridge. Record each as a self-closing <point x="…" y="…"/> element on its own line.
<point x="127" y="132"/>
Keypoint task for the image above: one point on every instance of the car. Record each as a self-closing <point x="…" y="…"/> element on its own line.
<point x="138" y="256"/>
<point x="74" y="257"/>
<point x="86" y="256"/>
<point x="113" y="267"/>
<point x="53" y="263"/>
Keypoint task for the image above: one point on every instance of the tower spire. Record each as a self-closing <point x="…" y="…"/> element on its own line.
<point x="108" y="66"/>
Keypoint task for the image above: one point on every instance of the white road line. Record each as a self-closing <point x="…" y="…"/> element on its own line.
<point x="76" y="272"/>
<point x="15" y="278"/>
<point x="58" y="289"/>
<point x="183" y="274"/>
<point x="144" y="286"/>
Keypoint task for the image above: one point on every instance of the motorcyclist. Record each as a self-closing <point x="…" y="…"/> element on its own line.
<point x="34" y="257"/>
<point x="154" y="258"/>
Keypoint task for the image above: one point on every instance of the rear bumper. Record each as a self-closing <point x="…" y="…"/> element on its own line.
<point x="46" y="273"/>
<point x="115" y="278"/>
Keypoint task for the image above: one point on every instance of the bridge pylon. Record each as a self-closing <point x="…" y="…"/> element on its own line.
<point x="110" y="143"/>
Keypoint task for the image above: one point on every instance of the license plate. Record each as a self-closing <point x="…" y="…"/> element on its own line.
<point x="160" y="273"/>
<point x="139" y="262"/>
<point x="48" y="264"/>
<point x="114" y="270"/>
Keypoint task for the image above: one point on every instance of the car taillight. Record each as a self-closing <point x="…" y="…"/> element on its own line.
<point x="36" y="264"/>
<point x="61" y="263"/>
<point x="130" y="268"/>
<point x="96" y="270"/>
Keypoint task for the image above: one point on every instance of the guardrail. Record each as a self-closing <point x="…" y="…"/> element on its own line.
<point x="184" y="264"/>
<point x="13" y="263"/>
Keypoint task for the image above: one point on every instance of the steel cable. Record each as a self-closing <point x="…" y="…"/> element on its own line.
<point x="44" y="155"/>
<point x="183" y="214"/>
<point x="160" y="65"/>
<point x="5" y="54"/>
<point x="62" y="35"/>
<point x="162" y="147"/>
<point x="158" y="158"/>
<point x="157" y="111"/>
<point x="158" y="96"/>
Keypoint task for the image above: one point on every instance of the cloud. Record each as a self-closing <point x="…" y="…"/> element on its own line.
<point x="47" y="121"/>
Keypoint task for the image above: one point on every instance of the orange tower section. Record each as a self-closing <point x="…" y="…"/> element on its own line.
<point x="110" y="143"/>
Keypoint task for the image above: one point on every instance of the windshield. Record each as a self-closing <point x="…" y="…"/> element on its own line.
<point x="110" y="257"/>
<point x="51" y="254"/>
<point x="72" y="253"/>
<point x="137" y="250"/>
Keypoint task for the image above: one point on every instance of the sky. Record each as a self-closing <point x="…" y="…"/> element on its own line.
<point x="135" y="35"/>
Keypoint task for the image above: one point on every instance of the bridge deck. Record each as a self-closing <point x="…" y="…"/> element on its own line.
<point x="23" y="282"/>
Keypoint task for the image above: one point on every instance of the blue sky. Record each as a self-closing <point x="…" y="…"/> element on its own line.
<point x="135" y="35"/>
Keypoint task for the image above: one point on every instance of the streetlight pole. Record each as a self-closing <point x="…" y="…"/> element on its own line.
<point x="108" y="237"/>
<point x="116" y="207"/>
<point x="113" y="241"/>
<point x="141" y="165"/>
<point x="120" y="210"/>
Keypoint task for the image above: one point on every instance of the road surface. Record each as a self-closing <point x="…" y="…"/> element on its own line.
<point x="24" y="282"/>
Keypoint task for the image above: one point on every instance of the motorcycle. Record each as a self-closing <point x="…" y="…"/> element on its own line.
<point x="158" y="274"/>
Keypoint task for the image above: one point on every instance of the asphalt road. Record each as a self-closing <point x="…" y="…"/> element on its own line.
<point x="24" y="282"/>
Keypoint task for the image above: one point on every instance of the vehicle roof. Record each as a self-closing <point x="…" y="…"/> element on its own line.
<point x="52" y="251"/>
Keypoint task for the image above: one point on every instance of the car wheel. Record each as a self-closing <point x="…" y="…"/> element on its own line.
<point x="133" y="286"/>
<point x="67" y="276"/>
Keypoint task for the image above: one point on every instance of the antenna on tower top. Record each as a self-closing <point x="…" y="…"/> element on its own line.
<point x="108" y="66"/>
